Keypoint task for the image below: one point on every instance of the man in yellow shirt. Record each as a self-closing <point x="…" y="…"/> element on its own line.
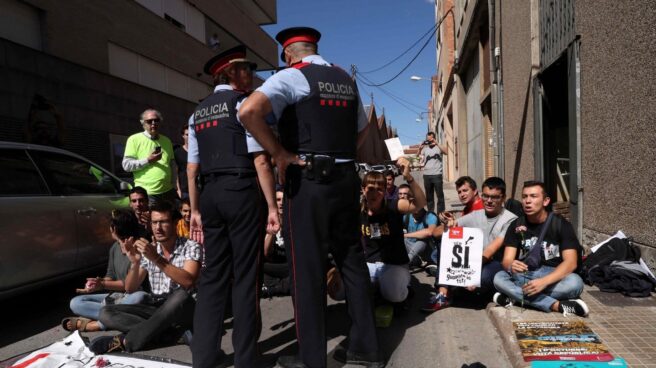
<point x="148" y="157"/>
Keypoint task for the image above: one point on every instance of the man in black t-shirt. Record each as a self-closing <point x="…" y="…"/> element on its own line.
<point x="541" y="277"/>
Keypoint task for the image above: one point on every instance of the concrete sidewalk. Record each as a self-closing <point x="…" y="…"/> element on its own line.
<point x="627" y="326"/>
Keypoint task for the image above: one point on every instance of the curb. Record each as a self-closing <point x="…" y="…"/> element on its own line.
<point x="502" y="320"/>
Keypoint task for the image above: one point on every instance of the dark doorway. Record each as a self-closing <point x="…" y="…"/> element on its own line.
<point x="555" y="133"/>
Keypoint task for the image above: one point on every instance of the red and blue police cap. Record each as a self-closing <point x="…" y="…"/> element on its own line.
<point x="288" y="36"/>
<point x="221" y="61"/>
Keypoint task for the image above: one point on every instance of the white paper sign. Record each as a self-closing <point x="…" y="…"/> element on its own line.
<point x="461" y="257"/>
<point x="70" y="352"/>
<point x="395" y="148"/>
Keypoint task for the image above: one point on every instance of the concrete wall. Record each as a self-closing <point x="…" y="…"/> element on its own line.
<point x="618" y="45"/>
<point x="92" y="104"/>
<point x="515" y="43"/>
<point x="79" y="31"/>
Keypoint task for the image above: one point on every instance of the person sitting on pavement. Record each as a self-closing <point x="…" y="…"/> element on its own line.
<point x="381" y="224"/>
<point x="182" y="227"/>
<point x="392" y="191"/>
<point x="494" y="220"/>
<point x="123" y="227"/>
<point x="418" y="226"/>
<point x="139" y="204"/>
<point x="172" y="266"/>
<point x="468" y="195"/>
<point x="275" y="270"/>
<point x="544" y="275"/>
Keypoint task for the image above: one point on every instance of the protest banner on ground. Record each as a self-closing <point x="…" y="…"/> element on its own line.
<point x="461" y="257"/>
<point x="559" y="340"/>
<point x="71" y="352"/>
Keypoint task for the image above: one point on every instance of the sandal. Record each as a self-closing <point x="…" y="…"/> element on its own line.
<point x="74" y="322"/>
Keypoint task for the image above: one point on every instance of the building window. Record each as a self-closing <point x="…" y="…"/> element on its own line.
<point x="20" y="23"/>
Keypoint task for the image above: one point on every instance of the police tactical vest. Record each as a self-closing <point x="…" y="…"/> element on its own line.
<point x="221" y="138"/>
<point x="326" y="121"/>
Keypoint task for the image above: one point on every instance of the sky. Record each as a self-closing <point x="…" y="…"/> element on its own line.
<point x="369" y="34"/>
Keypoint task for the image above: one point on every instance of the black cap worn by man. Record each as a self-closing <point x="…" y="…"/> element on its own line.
<point x="296" y="34"/>
<point x="218" y="63"/>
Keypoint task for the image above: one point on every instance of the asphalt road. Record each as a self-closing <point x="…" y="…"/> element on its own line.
<point x="451" y="337"/>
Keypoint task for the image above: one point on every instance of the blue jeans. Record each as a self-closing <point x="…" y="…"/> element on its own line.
<point x="569" y="287"/>
<point x="89" y="305"/>
<point x="414" y="248"/>
<point x="391" y="280"/>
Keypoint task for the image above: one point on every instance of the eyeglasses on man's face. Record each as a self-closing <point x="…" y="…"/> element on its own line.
<point x="152" y="121"/>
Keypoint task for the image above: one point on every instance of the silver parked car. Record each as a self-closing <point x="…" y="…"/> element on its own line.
<point x="55" y="208"/>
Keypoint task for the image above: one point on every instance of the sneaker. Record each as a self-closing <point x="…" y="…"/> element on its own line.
<point x="371" y="360"/>
<point x="431" y="270"/>
<point x="435" y="303"/>
<point x="107" y="344"/>
<point x="502" y="300"/>
<point x="266" y="293"/>
<point x="573" y="306"/>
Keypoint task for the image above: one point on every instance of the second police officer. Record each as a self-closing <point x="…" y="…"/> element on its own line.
<point x="320" y="121"/>
<point x="228" y="217"/>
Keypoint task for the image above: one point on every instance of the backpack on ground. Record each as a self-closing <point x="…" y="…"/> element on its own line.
<point x="615" y="249"/>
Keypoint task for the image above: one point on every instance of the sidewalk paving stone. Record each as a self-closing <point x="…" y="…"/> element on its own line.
<point x="627" y="326"/>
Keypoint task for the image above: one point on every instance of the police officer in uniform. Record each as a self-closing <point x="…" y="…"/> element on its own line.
<point x="228" y="217"/>
<point x="320" y="121"/>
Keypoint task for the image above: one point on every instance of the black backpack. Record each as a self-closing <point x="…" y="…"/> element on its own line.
<point x="615" y="249"/>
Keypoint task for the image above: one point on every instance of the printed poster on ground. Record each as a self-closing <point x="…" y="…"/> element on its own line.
<point x="560" y="340"/>
<point x="461" y="257"/>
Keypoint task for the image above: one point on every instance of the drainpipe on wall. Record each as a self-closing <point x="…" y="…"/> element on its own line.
<point x="494" y="86"/>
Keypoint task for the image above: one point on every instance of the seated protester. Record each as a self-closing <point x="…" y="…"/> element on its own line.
<point x="418" y="226"/>
<point x="124" y="229"/>
<point x="494" y="221"/>
<point x="182" y="227"/>
<point x="275" y="270"/>
<point x="139" y="204"/>
<point x="172" y="265"/>
<point x="549" y="254"/>
<point x="382" y="231"/>
<point x="392" y="191"/>
<point x="468" y="195"/>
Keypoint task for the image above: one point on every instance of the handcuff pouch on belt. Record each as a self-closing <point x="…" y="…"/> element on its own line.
<point x="319" y="167"/>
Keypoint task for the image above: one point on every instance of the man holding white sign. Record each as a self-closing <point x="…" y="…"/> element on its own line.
<point x="493" y="221"/>
<point x="460" y="259"/>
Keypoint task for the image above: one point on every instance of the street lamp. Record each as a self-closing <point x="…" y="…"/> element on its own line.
<point x="421" y="118"/>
